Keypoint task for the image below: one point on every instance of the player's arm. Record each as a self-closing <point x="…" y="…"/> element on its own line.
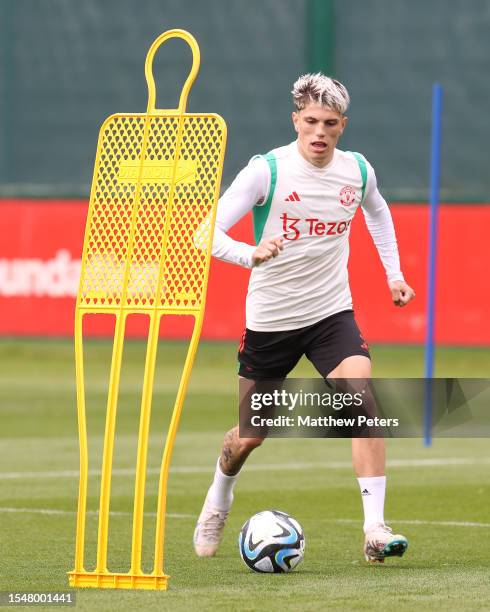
<point x="380" y="226"/>
<point x="249" y="188"/>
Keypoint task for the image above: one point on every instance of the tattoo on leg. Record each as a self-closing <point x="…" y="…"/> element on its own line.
<point x="233" y="454"/>
<point x="226" y="454"/>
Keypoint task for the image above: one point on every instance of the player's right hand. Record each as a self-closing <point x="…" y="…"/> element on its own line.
<point x="267" y="249"/>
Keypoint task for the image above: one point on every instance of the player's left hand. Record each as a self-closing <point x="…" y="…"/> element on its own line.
<point x="401" y="293"/>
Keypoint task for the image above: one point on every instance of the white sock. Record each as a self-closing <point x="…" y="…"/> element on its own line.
<point x="220" y="493"/>
<point x="373" y="499"/>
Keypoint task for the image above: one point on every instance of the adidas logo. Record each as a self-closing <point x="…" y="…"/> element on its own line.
<point x="292" y="197"/>
<point x="365" y="492"/>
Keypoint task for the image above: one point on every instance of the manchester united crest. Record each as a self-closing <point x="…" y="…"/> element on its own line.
<point x="347" y="195"/>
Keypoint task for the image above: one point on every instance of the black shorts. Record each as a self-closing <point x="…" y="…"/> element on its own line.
<point x="270" y="355"/>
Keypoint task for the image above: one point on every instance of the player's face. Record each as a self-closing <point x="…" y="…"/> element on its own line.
<point x="319" y="129"/>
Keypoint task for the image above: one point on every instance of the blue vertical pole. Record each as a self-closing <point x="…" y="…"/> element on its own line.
<point x="435" y="171"/>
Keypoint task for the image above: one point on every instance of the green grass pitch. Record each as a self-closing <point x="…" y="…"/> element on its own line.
<point x="438" y="497"/>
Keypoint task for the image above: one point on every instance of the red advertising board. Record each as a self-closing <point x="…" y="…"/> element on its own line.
<point x="41" y="243"/>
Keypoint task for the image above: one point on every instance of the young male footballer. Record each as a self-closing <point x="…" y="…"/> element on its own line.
<point x="304" y="196"/>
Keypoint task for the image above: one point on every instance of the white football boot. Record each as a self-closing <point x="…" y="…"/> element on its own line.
<point x="380" y="543"/>
<point x="209" y="529"/>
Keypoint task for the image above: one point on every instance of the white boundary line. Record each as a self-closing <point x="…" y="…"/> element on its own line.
<point x="419" y="522"/>
<point x="51" y="512"/>
<point x="198" y="469"/>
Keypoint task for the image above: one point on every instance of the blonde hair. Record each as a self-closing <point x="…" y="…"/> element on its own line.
<point x="320" y="89"/>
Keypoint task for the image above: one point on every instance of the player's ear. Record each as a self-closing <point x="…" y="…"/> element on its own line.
<point x="295" y="118"/>
<point x="345" y="121"/>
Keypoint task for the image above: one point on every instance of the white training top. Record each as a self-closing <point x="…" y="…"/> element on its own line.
<point x="312" y="209"/>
